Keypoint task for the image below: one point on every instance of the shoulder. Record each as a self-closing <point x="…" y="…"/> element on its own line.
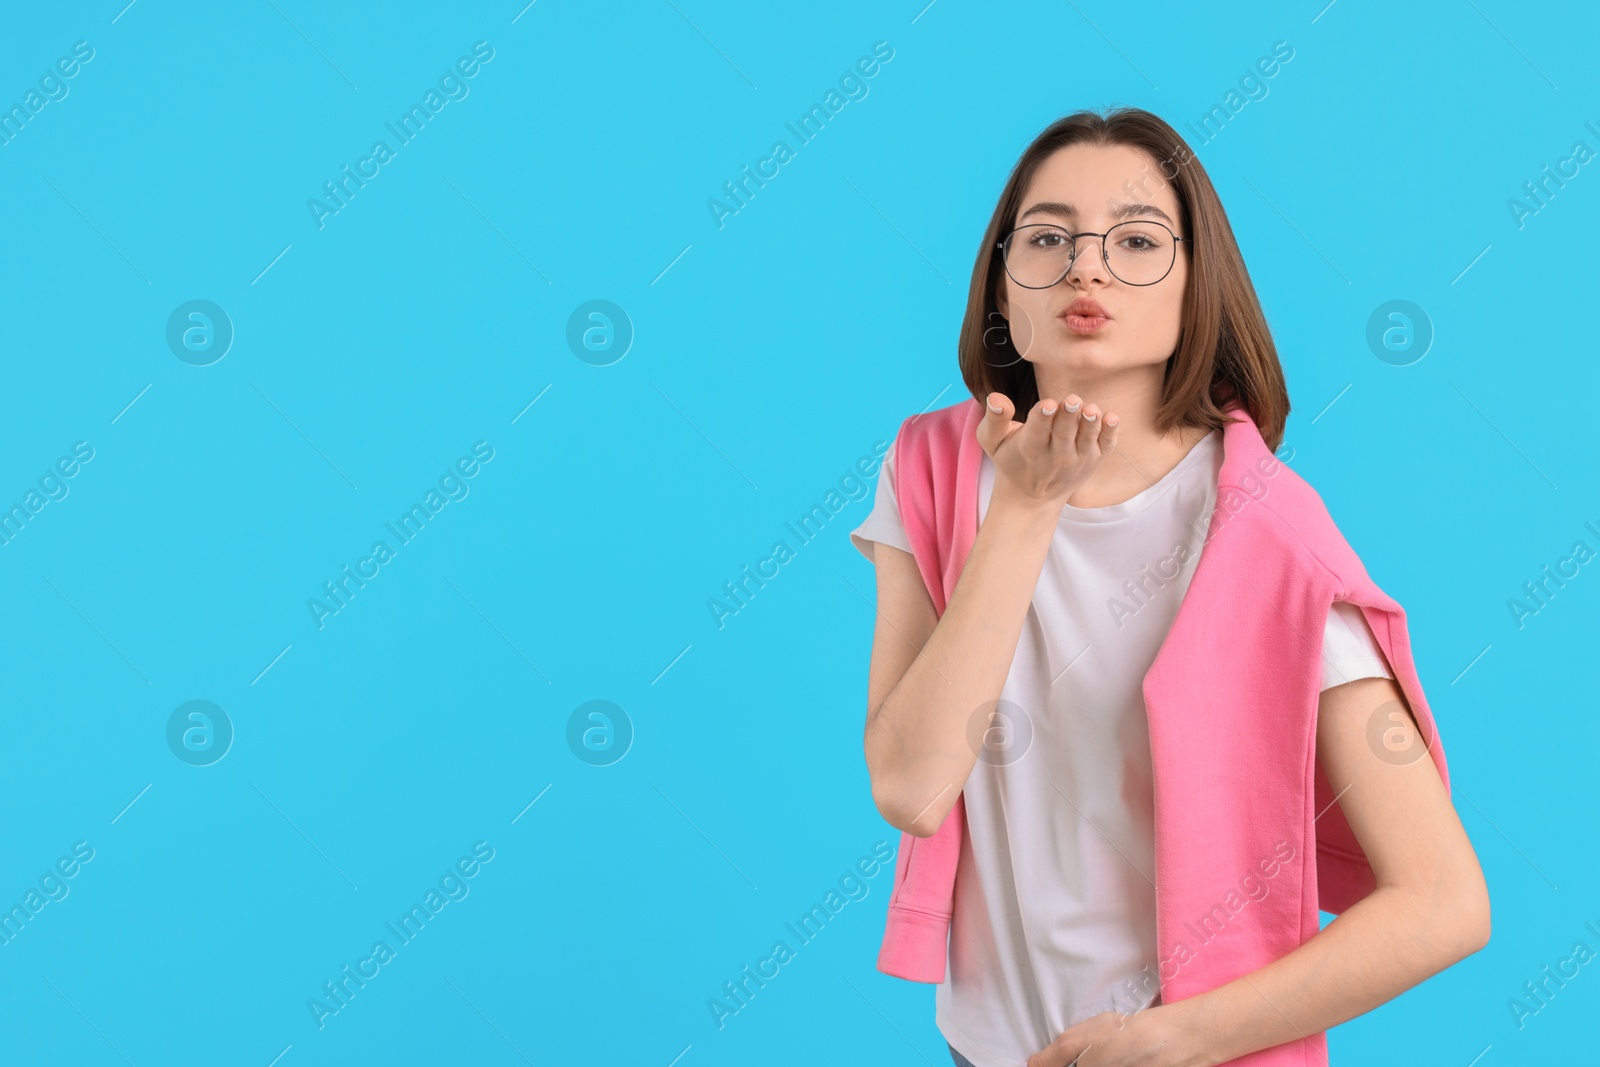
<point x="936" y="463"/>
<point x="938" y="429"/>
<point x="1276" y="496"/>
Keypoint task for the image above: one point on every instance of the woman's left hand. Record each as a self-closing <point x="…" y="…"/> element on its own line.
<point x="1155" y="1037"/>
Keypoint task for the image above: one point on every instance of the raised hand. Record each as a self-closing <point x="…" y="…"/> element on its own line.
<point x="1043" y="461"/>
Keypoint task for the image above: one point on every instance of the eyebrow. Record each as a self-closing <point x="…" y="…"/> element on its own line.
<point x="1119" y="211"/>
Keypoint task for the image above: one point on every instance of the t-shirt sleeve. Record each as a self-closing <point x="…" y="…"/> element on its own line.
<point x="1349" y="650"/>
<point x="883" y="523"/>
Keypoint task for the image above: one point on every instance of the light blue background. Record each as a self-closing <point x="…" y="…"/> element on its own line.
<point x="431" y="311"/>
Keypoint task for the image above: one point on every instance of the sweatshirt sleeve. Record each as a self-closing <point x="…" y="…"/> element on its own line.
<point x="882" y="524"/>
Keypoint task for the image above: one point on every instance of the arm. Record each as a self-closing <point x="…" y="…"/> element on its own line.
<point x="931" y="675"/>
<point x="1430" y="908"/>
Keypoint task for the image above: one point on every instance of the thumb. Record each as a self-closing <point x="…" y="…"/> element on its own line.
<point x="1076" y="1040"/>
<point x="1064" y="1051"/>
<point x="996" y="424"/>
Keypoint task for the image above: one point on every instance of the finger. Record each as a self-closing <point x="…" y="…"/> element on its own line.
<point x="996" y="424"/>
<point x="1064" y="427"/>
<point x="1089" y="429"/>
<point x="1108" y="432"/>
<point x="1040" y="423"/>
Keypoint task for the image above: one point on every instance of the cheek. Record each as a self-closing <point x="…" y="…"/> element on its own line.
<point x="1171" y="307"/>
<point x="1028" y="315"/>
<point x="1166" y="304"/>
<point x="1180" y="279"/>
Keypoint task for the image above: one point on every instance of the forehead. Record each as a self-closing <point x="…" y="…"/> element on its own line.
<point x="1093" y="177"/>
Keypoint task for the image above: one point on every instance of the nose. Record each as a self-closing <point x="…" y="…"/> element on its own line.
<point x="1088" y="261"/>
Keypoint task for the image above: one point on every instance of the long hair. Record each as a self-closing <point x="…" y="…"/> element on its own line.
<point x="1224" y="353"/>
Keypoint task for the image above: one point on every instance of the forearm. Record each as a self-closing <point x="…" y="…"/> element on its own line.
<point x="917" y="740"/>
<point x="1377" y="949"/>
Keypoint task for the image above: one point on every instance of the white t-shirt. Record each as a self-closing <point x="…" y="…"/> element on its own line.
<point x="1055" y="917"/>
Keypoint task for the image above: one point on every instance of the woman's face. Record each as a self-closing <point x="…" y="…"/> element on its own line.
<point x="1091" y="188"/>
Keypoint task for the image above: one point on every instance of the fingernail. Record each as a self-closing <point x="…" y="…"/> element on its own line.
<point x="1049" y="409"/>
<point x="992" y="406"/>
<point x="1111" y="420"/>
<point x="1088" y="417"/>
<point x="1075" y="407"/>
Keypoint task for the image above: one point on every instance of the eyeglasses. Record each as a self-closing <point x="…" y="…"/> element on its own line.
<point x="1137" y="252"/>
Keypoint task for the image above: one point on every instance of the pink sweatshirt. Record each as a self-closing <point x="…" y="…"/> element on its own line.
<point x="1249" y="842"/>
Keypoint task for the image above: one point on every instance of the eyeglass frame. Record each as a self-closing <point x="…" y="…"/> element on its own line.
<point x="1105" y="255"/>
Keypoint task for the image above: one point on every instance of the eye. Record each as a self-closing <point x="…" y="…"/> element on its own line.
<point x="1140" y="241"/>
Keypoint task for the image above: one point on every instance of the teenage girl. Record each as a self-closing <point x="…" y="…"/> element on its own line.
<point x="1105" y="348"/>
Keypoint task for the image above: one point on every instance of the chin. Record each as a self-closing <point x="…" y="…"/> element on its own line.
<point x="1088" y="356"/>
<point x="1102" y="340"/>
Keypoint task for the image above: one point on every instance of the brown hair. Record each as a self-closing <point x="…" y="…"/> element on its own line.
<point x="1225" y="350"/>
